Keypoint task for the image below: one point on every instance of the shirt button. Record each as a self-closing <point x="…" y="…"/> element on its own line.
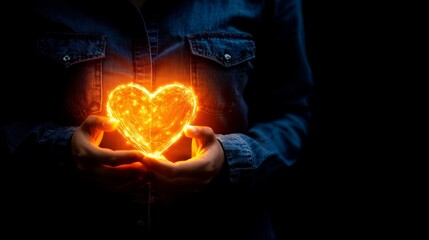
<point x="227" y="56"/>
<point x="66" y="58"/>
<point x="141" y="223"/>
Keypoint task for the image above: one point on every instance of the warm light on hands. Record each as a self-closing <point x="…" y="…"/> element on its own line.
<point x="114" y="170"/>
<point x="193" y="174"/>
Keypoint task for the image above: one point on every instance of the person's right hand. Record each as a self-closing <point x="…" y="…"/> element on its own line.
<point x="118" y="170"/>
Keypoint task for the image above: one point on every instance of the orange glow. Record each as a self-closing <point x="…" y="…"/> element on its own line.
<point x="152" y="122"/>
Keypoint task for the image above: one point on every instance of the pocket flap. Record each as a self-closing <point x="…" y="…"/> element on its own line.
<point x="71" y="48"/>
<point x="228" y="49"/>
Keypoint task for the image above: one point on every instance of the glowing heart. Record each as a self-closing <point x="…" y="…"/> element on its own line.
<point x="152" y="122"/>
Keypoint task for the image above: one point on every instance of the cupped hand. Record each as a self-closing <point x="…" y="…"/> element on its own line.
<point x="118" y="170"/>
<point x="190" y="175"/>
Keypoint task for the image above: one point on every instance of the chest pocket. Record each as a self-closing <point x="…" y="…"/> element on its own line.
<point x="220" y="66"/>
<point x="71" y="48"/>
<point x="72" y="63"/>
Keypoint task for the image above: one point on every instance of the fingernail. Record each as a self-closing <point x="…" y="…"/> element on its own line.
<point x="112" y="122"/>
<point x="191" y="129"/>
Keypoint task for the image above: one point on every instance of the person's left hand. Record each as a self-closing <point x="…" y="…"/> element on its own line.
<point x="191" y="175"/>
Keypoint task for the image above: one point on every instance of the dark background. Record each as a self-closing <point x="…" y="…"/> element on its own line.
<point x="334" y="190"/>
<point x="362" y="172"/>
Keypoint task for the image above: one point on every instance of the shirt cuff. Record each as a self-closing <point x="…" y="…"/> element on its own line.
<point x="239" y="158"/>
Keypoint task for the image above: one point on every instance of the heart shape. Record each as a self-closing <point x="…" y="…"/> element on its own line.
<point x="152" y="122"/>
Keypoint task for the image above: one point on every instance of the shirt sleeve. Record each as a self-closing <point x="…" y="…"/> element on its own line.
<point x="29" y="140"/>
<point x="278" y="99"/>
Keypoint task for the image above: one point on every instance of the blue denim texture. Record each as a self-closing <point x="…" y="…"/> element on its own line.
<point x="244" y="59"/>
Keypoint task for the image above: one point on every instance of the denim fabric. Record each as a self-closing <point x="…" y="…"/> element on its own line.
<point x="224" y="50"/>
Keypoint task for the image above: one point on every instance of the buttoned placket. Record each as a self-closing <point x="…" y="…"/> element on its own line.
<point x="145" y="48"/>
<point x="142" y="61"/>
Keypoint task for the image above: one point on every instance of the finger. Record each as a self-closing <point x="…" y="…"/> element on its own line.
<point x="116" y="157"/>
<point x="189" y="176"/>
<point x="128" y="172"/>
<point x="163" y="167"/>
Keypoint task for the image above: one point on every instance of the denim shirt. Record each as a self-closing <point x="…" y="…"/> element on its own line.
<point x="245" y="60"/>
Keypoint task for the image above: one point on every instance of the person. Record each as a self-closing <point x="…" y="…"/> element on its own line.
<point x="74" y="174"/>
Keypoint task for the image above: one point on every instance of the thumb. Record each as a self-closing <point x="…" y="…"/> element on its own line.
<point x="101" y="123"/>
<point x="191" y="131"/>
<point x="201" y="136"/>
<point x="199" y="132"/>
<point x="110" y="125"/>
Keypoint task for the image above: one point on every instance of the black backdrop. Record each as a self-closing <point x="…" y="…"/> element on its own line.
<point x="360" y="173"/>
<point x="325" y="197"/>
